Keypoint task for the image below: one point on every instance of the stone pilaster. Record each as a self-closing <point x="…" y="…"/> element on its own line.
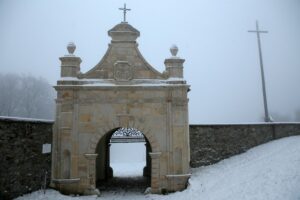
<point x="70" y="64"/>
<point x="91" y="175"/>
<point x="155" y="171"/>
<point x="174" y="64"/>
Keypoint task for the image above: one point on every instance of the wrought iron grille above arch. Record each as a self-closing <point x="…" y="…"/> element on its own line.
<point x="127" y="135"/>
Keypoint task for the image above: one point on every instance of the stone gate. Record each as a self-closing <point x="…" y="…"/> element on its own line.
<point x="121" y="91"/>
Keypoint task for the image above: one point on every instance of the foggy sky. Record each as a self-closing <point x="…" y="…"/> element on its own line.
<point x="221" y="65"/>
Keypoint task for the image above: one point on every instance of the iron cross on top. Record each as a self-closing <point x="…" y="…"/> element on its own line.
<point x="124" y="11"/>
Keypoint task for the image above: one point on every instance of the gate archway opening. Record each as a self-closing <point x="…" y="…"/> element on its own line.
<point x="119" y="145"/>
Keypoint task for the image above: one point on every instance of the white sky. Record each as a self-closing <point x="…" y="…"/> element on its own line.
<point x="221" y="56"/>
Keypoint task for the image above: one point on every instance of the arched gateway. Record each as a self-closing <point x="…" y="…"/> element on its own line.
<point x="122" y="90"/>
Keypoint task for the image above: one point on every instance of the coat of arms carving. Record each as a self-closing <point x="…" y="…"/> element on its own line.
<point x="123" y="71"/>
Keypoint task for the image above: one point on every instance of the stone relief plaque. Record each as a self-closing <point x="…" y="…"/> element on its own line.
<point x="123" y="71"/>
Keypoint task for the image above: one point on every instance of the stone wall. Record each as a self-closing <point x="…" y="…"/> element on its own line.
<point x="22" y="163"/>
<point x="212" y="143"/>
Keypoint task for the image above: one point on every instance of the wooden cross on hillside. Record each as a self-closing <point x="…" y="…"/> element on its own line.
<point x="258" y="32"/>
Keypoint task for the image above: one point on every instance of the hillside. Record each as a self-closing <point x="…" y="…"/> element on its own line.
<point x="267" y="172"/>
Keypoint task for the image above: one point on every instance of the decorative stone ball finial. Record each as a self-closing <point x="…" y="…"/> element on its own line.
<point x="71" y="48"/>
<point x="174" y="50"/>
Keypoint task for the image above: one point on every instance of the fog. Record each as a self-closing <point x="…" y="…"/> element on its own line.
<point x="127" y="152"/>
<point x="222" y="64"/>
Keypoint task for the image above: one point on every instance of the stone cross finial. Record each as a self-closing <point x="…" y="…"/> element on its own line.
<point x="71" y="48"/>
<point x="174" y="50"/>
<point x="124" y="12"/>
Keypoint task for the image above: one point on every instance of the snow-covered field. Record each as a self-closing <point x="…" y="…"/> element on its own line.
<point x="267" y="172"/>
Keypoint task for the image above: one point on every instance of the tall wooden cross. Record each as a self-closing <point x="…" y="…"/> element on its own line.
<point x="258" y="32"/>
<point x="124" y="12"/>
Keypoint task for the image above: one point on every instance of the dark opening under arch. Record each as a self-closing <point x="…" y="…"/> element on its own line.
<point x="104" y="171"/>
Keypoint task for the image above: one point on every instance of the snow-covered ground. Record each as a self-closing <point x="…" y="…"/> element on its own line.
<point x="128" y="169"/>
<point x="267" y="172"/>
<point x="128" y="159"/>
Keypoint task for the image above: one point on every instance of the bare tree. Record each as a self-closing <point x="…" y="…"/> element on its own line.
<point x="10" y="86"/>
<point x="26" y="96"/>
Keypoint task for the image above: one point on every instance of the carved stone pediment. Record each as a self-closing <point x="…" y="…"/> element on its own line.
<point x="123" y="71"/>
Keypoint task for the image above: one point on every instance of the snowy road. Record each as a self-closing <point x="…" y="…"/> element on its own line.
<point x="267" y="172"/>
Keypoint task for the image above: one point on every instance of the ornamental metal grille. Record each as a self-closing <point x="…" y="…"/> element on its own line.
<point x="127" y="135"/>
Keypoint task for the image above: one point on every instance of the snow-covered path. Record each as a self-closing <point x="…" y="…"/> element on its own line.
<point x="128" y="169"/>
<point x="267" y="172"/>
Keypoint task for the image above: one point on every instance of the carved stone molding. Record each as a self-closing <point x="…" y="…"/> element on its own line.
<point x="155" y="155"/>
<point x="124" y="119"/>
<point x="123" y="71"/>
<point x="91" y="156"/>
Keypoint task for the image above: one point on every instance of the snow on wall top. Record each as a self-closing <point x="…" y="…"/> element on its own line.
<point x="22" y="119"/>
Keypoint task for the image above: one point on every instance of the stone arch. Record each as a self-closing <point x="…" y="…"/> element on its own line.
<point x="152" y="172"/>
<point x="111" y="126"/>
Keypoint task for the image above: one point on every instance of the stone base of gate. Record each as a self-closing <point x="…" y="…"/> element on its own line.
<point x="67" y="186"/>
<point x="74" y="186"/>
<point x="177" y="182"/>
